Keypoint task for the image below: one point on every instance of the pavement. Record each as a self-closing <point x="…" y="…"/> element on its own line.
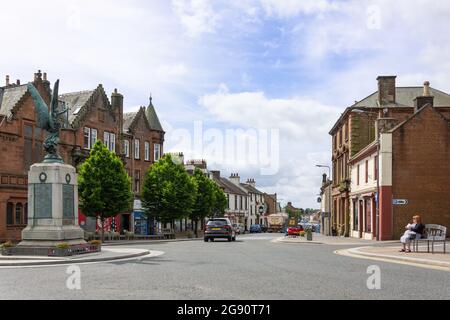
<point x="107" y="254"/>
<point x="254" y="268"/>
<point x="392" y="254"/>
<point x="333" y="241"/>
<point x="387" y="251"/>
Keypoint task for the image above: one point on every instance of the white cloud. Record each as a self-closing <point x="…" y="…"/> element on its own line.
<point x="197" y="16"/>
<point x="291" y="8"/>
<point x="171" y="72"/>
<point x="297" y="118"/>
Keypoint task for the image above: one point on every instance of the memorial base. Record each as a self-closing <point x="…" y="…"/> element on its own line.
<point x="53" y="207"/>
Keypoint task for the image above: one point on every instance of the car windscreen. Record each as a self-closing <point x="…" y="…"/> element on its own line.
<point x="218" y="223"/>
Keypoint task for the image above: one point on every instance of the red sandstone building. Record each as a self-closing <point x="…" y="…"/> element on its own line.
<point x="391" y="145"/>
<point x="136" y="137"/>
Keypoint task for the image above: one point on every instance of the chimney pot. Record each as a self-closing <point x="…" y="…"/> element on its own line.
<point x="45" y="76"/>
<point x="426" y="89"/>
<point x="7" y="80"/>
<point x="18" y="82"/>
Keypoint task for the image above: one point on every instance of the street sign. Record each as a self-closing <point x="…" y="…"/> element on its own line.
<point x="399" y="202"/>
<point x="262" y="209"/>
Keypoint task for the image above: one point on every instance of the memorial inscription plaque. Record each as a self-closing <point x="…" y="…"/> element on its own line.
<point x="43" y="201"/>
<point x="68" y="201"/>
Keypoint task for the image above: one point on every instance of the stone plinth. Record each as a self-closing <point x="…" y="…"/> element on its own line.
<point x="52" y="206"/>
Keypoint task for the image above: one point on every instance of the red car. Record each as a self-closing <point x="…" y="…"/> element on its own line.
<point x="294" y="231"/>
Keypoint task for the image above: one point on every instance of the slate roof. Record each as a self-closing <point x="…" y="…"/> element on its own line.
<point x="251" y="189"/>
<point x="152" y="117"/>
<point x="75" y="101"/>
<point x="9" y="97"/>
<point x="404" y="99"/>
<point x="128" y="119"/>
<point x="229" y="186"/>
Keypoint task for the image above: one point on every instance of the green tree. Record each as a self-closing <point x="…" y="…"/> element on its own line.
<point x="203" y="200"/>
<point x="104" y="186"/>
<point x="220" y="201"/>
<point x="168" y="192"/>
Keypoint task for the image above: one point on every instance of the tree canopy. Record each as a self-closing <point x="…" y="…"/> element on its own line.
<point x="168" y="192"/>
<point x="104" y="186"/>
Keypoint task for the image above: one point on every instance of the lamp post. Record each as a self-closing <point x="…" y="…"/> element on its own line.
<point x="329" y="193"/>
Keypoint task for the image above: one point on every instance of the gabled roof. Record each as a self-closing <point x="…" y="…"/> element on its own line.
<point x="404" y="99"/>
<point x="152" y="117"/>
<point x="415" y="114"/>
<point x="229" y="186"/>
<point x="75" y="101"/>
<point x="132" y="118"/>
<point x="79" y="103"/>
<point x="250" y="188"/>
<point x="128" y="119"/>
<point x="10" y="98"/>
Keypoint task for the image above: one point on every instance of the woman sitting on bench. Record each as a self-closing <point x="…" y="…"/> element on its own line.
<point x="413" y="231"/>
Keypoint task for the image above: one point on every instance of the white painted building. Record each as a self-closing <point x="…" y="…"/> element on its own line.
<point x="257" y="206"/>
<point x="364" y="168"/>
<point x="238" y="200"/>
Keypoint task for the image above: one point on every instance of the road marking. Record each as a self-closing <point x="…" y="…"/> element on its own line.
<point x="345" y="252"/>
<point x="153" y="253"/>
<point x="255" y="238"/>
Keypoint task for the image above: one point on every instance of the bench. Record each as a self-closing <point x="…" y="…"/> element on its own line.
<point x="433" y="233"/>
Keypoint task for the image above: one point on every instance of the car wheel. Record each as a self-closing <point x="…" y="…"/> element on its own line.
<point x="230" y="239"/>
<point x="212" y="239"/>
<point x="206" y="239"/>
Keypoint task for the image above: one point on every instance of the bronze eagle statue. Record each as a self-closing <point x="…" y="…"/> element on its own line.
<point x="48" y="120"/>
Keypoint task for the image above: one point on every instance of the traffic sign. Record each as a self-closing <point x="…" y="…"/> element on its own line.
<point x="399" y="202"/>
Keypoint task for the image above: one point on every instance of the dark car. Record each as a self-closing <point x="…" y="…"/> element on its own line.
<point x="264" y="228"/>
<point x="220" y="228"/>
<point x="255" y="228"/>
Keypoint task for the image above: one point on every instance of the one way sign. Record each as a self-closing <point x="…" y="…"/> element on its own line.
<point x="399" y="202"/>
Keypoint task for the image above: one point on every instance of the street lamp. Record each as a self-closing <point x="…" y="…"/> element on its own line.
<point x="329" y="197"/>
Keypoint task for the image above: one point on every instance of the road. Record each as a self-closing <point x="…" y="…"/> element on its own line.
<point x="251" y="268"/>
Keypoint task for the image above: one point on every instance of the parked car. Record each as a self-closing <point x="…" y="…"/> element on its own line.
<point x="295" y="231"/>
<point x="264" y="228"/>
<point x="255" y="228"/>
<point x="220" y="228"/>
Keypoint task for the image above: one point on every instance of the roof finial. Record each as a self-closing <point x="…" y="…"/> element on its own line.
<point x="151" y="98"/>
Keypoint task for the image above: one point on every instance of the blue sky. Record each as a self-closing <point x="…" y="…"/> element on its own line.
<point x="286" y="65"/>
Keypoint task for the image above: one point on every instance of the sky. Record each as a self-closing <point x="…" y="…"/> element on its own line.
<point x="251" y="86"/>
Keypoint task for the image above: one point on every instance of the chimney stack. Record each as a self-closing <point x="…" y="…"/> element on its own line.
<point x="424" y="100"/>
<point x="7" y="80"/>
<point x="215" y="174"/>
<point x="251" y="182"/>
<point x="386" y="89"/>
<point x="45" y="76"/>
<point x="235" y="178"/>
<point x="18" y="82"/>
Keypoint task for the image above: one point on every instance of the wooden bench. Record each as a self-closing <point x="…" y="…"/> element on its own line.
<point x="433" y="233"/>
